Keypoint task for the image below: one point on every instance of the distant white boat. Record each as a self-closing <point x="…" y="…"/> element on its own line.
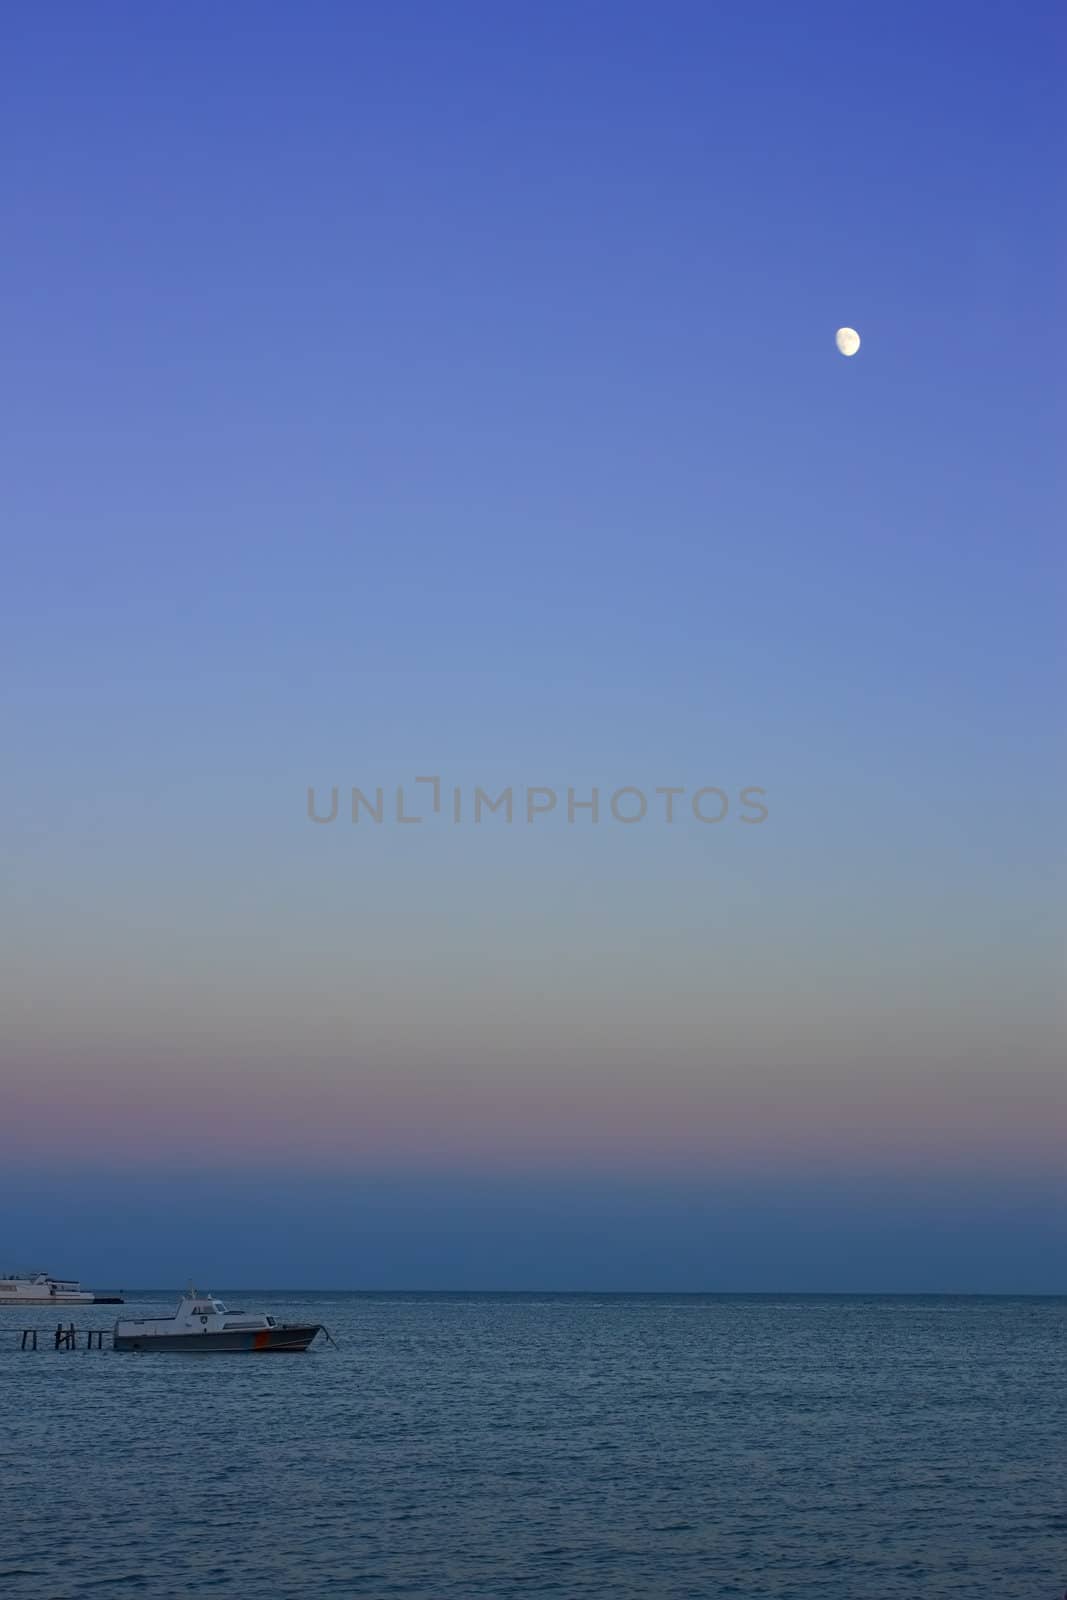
<point x="40" y="1288"/>
<point x="202" y="1325"/>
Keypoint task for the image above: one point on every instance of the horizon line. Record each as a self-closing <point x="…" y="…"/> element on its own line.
<point x="622" y="1294"/>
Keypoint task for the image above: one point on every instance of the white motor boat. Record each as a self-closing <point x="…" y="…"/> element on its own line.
<point x="40" y="1288"/>
<point x="202" y="1325"/>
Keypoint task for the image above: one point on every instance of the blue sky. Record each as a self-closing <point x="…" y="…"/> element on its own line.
<point x="453" y="390"/>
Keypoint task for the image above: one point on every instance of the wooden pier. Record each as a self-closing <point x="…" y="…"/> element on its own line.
<point x="60" y="1338"/>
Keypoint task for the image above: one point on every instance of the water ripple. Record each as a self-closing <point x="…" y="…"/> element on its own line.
<point x="640" y="1448"/>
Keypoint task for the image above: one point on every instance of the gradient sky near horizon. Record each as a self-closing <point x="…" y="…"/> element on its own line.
<point x="405" y="390"/>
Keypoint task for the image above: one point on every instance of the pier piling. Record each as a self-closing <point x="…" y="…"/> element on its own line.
<point x="62" y="1338"/>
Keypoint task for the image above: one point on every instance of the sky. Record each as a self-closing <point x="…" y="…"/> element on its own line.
<point x="423" y="392"/>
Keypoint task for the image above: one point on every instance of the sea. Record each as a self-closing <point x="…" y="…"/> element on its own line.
<point x="571" y="1447"/>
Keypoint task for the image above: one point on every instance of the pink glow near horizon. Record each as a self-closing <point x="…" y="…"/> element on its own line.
<point x="483" y="1127"/>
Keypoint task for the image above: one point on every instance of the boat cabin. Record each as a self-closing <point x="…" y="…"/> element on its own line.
<point x="196" y="1313"/>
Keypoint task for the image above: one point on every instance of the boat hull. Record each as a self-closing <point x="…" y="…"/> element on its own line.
<point x="54" y="1300"/>
<point x="233" y="1341"/>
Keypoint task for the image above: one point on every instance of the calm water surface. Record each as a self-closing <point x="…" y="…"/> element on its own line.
<point x="544" y="1445"/>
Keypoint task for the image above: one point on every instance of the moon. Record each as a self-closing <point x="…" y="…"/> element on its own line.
<point x="847" y="341"/>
